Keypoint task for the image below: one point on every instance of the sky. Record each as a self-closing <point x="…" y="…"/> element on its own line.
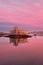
<point x="29" y="12"/>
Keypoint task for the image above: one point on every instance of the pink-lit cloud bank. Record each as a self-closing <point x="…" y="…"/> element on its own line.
<point x="22" y="11"/>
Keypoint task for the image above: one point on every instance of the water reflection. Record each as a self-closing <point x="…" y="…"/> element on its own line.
<point x="18" y="40"/>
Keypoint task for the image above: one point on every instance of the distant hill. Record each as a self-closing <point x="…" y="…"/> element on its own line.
<point x="39" y="33"/>
<point x="2" y="33"/>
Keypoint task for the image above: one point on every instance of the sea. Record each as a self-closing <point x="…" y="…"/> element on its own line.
<point x="23" y="51"/>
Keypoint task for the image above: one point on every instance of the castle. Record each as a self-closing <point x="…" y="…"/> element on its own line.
<point x="17" y="31"/>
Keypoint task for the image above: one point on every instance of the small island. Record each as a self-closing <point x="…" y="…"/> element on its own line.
<point x="16" y="33"/>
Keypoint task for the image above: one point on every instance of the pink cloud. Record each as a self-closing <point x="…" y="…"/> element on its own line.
<point x="22" y="14"/>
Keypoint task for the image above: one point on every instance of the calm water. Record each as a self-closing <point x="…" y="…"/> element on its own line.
<point x="21" y="51"/>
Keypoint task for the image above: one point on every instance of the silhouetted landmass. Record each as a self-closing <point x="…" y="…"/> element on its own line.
<point x="40" y="33"/>
<point x="2" y="34"/>
<point x="16" y="33"/>
<point x="30" y="34"/>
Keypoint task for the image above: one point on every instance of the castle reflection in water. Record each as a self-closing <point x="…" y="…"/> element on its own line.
<point x="17" y="41"/>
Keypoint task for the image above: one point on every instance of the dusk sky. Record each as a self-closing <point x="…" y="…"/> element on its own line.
<point x="29" y="12"/>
